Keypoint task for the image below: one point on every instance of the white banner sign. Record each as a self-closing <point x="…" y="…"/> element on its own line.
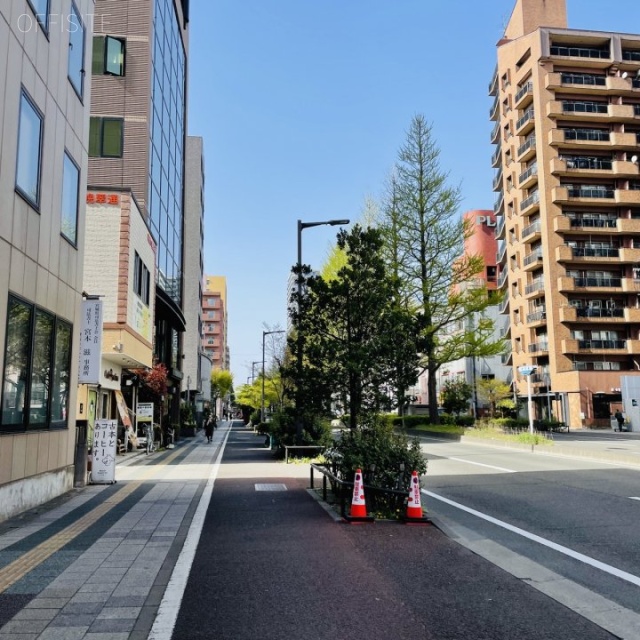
<point x="90" y="342"/>
<point x="103" y="462"/>
<point x="145" y="411"/>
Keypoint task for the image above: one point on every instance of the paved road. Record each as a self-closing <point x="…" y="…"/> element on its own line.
<point x="204" y="541"/>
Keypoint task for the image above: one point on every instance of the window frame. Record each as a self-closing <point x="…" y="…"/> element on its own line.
<point x="76" y="166"/>
<point x="44" y="25"/>
<point x="25" y="98"/>
<point x="58" y="369"/>
<point x="99" y="56"/>
<point x="100" y="136"/>
<point x="81" y="71"/>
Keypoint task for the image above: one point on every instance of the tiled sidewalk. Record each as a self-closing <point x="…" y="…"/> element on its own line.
<point x="107" y="553"/>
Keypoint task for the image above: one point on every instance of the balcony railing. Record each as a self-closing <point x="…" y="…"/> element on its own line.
<point x="590" y="192"/>
<point x="493" y="85"/>
<point x="583" y="365"/>
<point x="500" y="222"/>
<point x="497" y="205"/>
<point x="529" y="114"/>
<point x="522" y="92"/>
<point x="497" y="154"/>
<point x="532" y="199"/>
<point x="538" y="346"/>
<point x="537" y="316"/>
<point x="595" y="252"/>
<point x="584" y="79"/>
<point x="535" y="256"/>
<point x="502" y="278"/>
<point x="534" y="287"/>
<point x="583" y="162"/>
<point x="529" y="144"/>
<point x="598" y="282"/>
<point x="583" y="106"/>
<point x="599" y="135"/>
<point x="497" y="180"/>
<point x="602" y="344"/>
<point x="592" y="312"/>
<point x="531" y="171"/>
<point x="532" y="228"/>
<point x="580" y="52"/>
<point x="502" y="249"/>
<point x="608" y="223"/>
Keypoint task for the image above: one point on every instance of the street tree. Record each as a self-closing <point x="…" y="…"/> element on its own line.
<point x="349" y="325"/>
<point x="440" y="282"/>
<point x="494" y="392"/>
<point x="455" y="395"/>
<point x="221" y="384"/>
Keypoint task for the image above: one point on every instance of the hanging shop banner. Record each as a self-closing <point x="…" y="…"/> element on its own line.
<point x="90" y="342"/>
<point x="103" y="460"/>
<point x="122" y="409"/>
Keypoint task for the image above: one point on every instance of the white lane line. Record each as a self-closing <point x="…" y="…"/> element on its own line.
<point x="632" y="498"/>
<point x="170" y="606"/>
<point x="480" y="464"/>
<point x="607" y="568"/>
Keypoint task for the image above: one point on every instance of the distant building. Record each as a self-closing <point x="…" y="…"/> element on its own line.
<point x="214" y="321"/>
<point x="44" y="98"/>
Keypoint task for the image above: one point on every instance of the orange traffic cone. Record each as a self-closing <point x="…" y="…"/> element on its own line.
<point x="358" y="504"/>
<point x="414" y="509"/>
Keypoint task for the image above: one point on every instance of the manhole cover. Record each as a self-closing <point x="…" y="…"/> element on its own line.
<point x="271" y="487"/>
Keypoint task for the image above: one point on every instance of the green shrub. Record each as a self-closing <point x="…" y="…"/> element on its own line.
<point x="255" y="418"/>
<point x="316" y="430"/>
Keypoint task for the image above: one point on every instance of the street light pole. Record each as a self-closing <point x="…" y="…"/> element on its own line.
<point x="265" y="333"/>
<point x="301" y="227"/>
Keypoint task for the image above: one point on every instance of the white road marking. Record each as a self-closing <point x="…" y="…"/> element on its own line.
<point x="480" y="464"/>
<point x="170" y="606"/>
<point x="632" y="498"/>
<point x="607" y="568"/>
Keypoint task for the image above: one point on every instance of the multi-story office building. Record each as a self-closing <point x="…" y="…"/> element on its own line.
<point x="214" y="321"/>
<point x="194" y="358"/>
<point x="137" y="143"/>
<point x="567" y="131"/>
<point x="44" y="49"/>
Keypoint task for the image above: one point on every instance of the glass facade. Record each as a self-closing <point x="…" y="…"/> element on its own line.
<point x="167" y="147"/>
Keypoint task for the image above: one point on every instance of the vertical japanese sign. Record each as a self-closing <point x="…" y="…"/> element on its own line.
<point x="90" y="342"/>
<point x="103" y="462"/>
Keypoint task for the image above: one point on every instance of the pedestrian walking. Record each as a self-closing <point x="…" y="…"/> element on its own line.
<point x="208" y="427"/>
<point x="620" y="418"/>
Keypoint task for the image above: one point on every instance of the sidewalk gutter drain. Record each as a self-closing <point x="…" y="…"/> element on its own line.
<point x="271" y="487"/>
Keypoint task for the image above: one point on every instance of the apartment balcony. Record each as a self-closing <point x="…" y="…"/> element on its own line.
<point x="532" y="261"/>
<point x="495" y="133"/>
<point x="628" y="225"/>
<point x="526" y="122"/>
<point x="599" y="255"/>
<point x="530" y="204"/>
<point x="626" y="169"/>
<point x="532" y="233"/>
<point x="500" y="227"/>
<point x="563" y="167"/>
<point x="590" y="85"/>
<point x="495" y="109"/>
<point x="537" y="318"/>
<point x="566" y="284"/>
<point x="535" y="289"/>
<point x="630" y="285"/>
<point x="599" y="285"/>
<point x="569" y="346"/>
<point x="601" y="345"/>
<point x="528" y="178"/>
<point x="493" y="85"/>
<point x="503" y="278"/>
<point x="507" y="358"/>
<point x="584" y="139"/>
<point x="505" y="330"/>
<point x="582" y="195"/>
<point x="523" y="96"/>
<point x="629" y="255"/>
<point x="527" y="150"/>
<point x="588" y="112"/>
<point x="497" y="180"/>
<point x="629" y="197"/>
<point x="496" y="158"/>
<point x="504" y="306"/>
<point x="538" y="348"/>
<point x="633" y="347"/>
<point x="580" y="56"/>
<point x="499" y="203"/>
<point x="502" y="251"/>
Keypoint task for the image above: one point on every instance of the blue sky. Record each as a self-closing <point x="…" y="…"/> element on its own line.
<point x="303" y="105"/>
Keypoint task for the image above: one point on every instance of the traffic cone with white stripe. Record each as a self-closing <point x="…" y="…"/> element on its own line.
<point x="414" y="513"/>
<point x="358" y="503"/>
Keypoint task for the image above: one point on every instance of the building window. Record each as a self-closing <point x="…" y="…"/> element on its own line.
<point x="106" y="137"/>
<point x="141" y="279"/>
<point x="108" y="56"/>
<point x="70" y="190"/>
<point x="30" y="127"/>
<point x="77" y="35"/>
<point x="41" y="10"/>
<point x="35" y="387"/>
